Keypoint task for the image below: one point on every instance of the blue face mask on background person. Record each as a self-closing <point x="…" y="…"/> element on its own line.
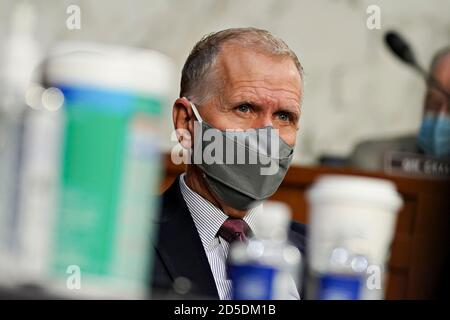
<point x="434" y="135"/>
<point x="442" y="136"/>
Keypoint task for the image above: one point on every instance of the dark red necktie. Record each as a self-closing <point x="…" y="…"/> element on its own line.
<point x="234" y="230"/>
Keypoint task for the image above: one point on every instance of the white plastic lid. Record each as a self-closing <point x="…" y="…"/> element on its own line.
<point x="113" y="67"/>
<point x="273" y="221"/>
<point x="352" y="189"/>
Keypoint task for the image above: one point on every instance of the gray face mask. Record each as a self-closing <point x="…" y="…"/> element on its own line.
<point x="241" y="168"/>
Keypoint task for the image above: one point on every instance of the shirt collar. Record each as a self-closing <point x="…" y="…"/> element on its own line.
<point x="207" y="217"/>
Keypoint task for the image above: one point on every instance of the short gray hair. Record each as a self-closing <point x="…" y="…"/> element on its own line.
<point x="197" y="68"/>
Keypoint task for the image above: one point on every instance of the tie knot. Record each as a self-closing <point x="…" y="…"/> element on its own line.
<point x="234" y="230"/>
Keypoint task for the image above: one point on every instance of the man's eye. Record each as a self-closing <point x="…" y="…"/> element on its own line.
<point x="244" y="108"/>
<point x="283" y="116"/>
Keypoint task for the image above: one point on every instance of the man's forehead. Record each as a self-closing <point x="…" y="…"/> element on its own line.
<point x="238" y="59"/>
<point x="238" y="63"/>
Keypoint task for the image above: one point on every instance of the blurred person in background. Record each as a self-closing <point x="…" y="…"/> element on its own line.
<point x="242" y="79"/>
<point x="433" y="137"/>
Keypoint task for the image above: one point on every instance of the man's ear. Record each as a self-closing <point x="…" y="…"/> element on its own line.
<point x="183" y="121"/>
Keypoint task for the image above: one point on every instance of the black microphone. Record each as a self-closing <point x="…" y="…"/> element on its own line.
<point x="402" y="50"/>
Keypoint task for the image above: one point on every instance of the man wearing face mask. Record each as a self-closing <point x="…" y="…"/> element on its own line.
<point x="433" y="136"/>
<point x="244" y="88"/>
<point x="434" y="133"/>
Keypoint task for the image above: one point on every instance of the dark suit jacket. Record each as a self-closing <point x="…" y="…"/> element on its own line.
<point x="179" y="251"/>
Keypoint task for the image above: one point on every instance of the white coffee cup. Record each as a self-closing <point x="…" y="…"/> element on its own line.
<point x="352" y="222"/>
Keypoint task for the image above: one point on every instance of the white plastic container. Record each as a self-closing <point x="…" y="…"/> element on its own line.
<point x="111" y="167"/>
<point x="352" y="221"/>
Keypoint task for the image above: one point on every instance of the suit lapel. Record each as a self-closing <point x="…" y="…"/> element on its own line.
<point x="297" y="236"/>
<point x="180" y="247"/>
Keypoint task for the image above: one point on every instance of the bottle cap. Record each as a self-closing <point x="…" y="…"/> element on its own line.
<point x="273" y="221"/>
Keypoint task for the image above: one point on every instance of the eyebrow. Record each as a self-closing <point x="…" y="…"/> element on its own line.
<point x="288" y="108"/>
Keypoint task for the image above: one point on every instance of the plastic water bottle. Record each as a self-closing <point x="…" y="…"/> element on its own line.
<point x="21" y="55"/>
<point x="267" y="267"/>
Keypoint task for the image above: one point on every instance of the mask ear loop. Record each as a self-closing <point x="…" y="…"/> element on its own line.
<point x="199" y="119"/>
<point x="196" y="113"/>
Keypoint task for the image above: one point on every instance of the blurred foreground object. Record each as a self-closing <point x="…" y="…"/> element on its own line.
<point x="352" y="222"/>
<point x="111" y="165"/>
<point x="80" y="166"/>
<point x="268" y="266"/>
<point x="29" y="153"/>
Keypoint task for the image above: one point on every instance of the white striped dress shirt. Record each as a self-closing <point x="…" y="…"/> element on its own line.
<point x="208" y="219"/>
